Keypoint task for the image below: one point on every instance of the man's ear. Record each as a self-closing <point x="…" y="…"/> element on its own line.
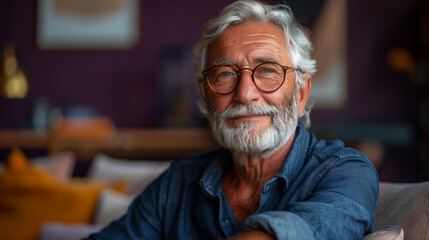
<point x="202" y="104"/>
<point x="201" y="90"/>
<point x="303" y="93"/>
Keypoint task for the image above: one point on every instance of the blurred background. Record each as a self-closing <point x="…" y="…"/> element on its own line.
<point x="128" y="65"/>
<point x="95" y="93"/>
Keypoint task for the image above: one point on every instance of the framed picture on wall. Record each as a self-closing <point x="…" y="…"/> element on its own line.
<point x="87" y="24"/>
<point x="330" y="84"/>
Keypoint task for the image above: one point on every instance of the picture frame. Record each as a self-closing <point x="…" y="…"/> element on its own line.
<point x="329" y="88"/>
<point x="87" y="24"/>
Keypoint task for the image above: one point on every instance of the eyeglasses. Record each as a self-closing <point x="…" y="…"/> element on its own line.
<point x="268" y="77"/>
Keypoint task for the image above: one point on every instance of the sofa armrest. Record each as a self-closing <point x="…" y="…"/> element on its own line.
<point x="388" y="233"/>
<point x="405" y="205"/>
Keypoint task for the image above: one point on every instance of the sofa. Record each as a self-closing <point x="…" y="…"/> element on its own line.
<point x="40" y="198"/>
<point x="402" y="211"/>
<point x="71" y="208"/>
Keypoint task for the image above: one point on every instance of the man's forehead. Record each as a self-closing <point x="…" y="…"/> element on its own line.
<point x="263" y="42"/>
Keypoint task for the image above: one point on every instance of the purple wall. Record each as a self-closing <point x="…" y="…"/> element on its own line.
<point x="377" y="92"/>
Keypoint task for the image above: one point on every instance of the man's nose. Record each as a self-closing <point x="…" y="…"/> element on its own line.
<point x="246" y="91"/>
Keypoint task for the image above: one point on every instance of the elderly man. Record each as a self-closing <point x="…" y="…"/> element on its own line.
<point x="272" y="178"/>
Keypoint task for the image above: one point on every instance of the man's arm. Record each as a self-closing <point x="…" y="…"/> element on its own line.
<point x="340" y="206"/>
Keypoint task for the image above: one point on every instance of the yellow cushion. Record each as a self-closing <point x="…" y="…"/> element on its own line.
<point x="19" y="172"/>
<point x="30" y="196"/>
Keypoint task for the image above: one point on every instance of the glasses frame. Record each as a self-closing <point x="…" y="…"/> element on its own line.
<point x="285" y="68"/>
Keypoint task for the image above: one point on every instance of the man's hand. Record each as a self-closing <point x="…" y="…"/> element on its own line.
<point x="255" y="234"/>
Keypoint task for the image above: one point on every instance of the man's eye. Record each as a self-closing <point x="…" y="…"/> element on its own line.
<point x="226" y="74"/>
<point x="268" y="70"/>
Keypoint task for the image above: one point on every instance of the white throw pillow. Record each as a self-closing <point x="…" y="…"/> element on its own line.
<point x="138" y="173"/>
<point x="60" y="165"/>
<point x="111" y="206"/>
<point x="65" y="231"/>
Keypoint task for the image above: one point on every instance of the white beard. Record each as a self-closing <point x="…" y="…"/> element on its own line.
<point x="244" y="138"/>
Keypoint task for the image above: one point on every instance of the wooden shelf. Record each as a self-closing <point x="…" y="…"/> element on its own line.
<point x="136" y="143"/>
<point x="23" y="138"/>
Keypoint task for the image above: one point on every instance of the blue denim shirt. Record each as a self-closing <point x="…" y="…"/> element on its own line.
<point x="323" y="191"/>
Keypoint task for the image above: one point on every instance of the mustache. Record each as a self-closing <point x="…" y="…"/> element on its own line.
<point x="244" y="110"/>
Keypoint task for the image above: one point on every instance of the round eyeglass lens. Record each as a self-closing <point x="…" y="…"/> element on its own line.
<point x="222" y="79"/>
<point x="269" y="76"/>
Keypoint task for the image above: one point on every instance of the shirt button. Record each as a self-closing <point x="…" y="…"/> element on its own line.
<point x="226" y="222"/>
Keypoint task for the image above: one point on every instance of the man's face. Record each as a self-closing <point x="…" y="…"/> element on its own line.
<point x="246" y="46"/>
<point x="249" y="117"/>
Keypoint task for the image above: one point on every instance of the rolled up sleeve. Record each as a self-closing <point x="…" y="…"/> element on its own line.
<point x="281" y="224"/>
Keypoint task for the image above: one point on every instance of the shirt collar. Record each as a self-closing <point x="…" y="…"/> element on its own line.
<point x="211" y="180"/>
<point x="296" y="156"/>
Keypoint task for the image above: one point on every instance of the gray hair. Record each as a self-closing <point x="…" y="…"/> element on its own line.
<point x="243" y="11"/>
